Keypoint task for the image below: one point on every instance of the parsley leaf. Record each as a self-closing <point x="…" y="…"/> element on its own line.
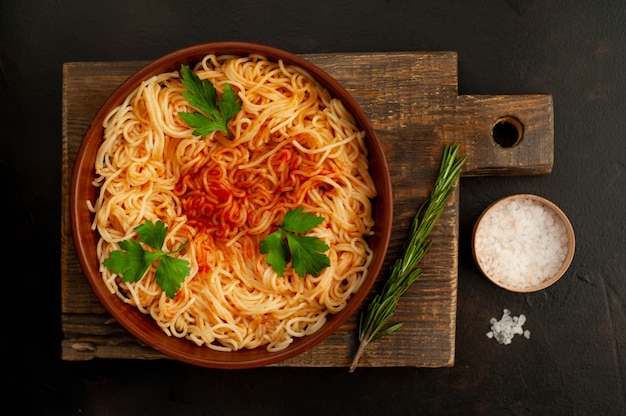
<point x="152" y="234"/>
<point x="278" y="251"/>
<point x="131" y="264"/>
<point x="134" y="261"/>
<point x="305" y="252"/>
<point x="213" y="115"/>
<point x="297" y="222"/>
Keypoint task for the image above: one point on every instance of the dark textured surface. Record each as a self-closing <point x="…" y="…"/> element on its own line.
<point x="575" y="360"/>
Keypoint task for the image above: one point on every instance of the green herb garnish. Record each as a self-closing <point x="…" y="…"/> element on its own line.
<point x="373" y="319"/>
<point x="133" y="263"/>
<point x="286" y="243"/>
<point x="214" y="115"/>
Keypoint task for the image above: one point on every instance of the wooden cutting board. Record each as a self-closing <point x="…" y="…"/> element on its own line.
<point x="412" y="100"/>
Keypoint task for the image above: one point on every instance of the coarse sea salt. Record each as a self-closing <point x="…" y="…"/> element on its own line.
<point x="507" y="327"/>
<point x="520" y="243"/>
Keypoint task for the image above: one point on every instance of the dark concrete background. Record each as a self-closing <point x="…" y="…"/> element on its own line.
<point x="574" y="363"/>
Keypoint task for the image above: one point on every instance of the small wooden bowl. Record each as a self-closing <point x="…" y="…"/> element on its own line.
<point x="142" y="326"/>
<point x="523" y="243"/>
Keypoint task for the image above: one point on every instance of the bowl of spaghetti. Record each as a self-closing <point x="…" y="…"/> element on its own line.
<point x="231" y="205"/>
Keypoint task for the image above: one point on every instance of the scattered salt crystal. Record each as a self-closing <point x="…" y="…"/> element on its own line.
<point x="507" y="327"/>
<point x="520" y="243"/>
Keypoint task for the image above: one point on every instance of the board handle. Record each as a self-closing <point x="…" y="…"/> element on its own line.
<point x="503" y="134"/>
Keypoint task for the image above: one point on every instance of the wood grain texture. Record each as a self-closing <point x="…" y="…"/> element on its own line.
<point x="413" y="103"/>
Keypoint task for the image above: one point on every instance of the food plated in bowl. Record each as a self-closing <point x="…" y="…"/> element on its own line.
<point x="231" y="205"/>
<point x="523" y="243"/>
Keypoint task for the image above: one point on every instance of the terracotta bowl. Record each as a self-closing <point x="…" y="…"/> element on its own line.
<point x="142" y="326"/>
<point x="523" y="243"/>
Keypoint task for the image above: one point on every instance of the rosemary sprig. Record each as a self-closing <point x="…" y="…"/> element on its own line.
<point x="405" y="270"/>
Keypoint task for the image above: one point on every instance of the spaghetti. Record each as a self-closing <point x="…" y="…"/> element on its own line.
<point x="291" y="145"/>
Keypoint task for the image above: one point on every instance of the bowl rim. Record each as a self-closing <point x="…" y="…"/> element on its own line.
<point x="571" y="243"/>
<point x="80" y="218"/>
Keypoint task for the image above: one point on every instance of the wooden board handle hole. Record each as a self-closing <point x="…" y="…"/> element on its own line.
<point x="507" y="131"/>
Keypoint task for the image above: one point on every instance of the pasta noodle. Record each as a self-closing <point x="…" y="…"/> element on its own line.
<point x="291" y="145"/>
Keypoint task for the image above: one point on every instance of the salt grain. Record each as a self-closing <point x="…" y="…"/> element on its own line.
<point x="507" y="327"/>
<point x="520" y="243"/>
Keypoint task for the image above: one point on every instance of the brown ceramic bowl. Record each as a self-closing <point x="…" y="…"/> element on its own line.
<point x="523" y="243"/>
<point x="142" y="326"/>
